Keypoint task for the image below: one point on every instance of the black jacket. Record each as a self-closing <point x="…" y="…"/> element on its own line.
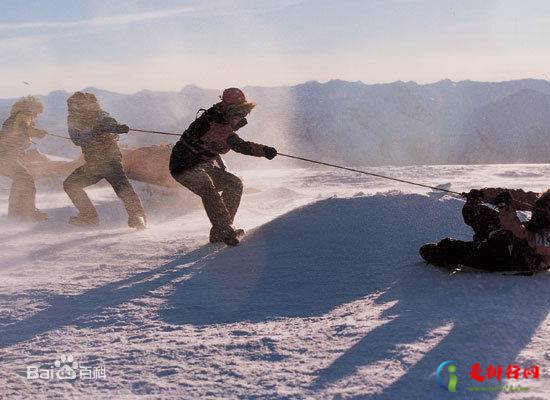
<point x="206" y="138"/>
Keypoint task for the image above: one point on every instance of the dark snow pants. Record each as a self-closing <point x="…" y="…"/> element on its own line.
<point x="90" y="174"/>
<point x="493" y="248"/>
<point x="207" y="181"/>
<point x="23" y="190"/>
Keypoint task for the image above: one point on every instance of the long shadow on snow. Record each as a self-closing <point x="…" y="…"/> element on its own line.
<point x="78" y="310"/>
<point x="313" y="259"/>
<point x="321" y="256"/>
<point x="493" y="318"/>
<point x="327" y="254"/>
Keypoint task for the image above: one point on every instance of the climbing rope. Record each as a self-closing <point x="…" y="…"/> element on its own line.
<point x="329" y="165"/>
<point x="370" y="173"/>
<point x="157" y="132"/>
<point x="440" y="189"/>
<point x="58" y="136"/>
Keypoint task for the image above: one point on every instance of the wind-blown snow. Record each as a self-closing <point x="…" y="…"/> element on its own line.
<point x="326" y="297"/>
<point x="399" y="123"/>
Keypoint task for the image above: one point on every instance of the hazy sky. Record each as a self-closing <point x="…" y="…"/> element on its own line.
<point x="128" y="45"/>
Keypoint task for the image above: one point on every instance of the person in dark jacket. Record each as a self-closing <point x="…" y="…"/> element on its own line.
<point x="97" y="134"/>
<point x="195" y="161"/>
<point x="15" y="138"/>
<point x="500" y="242"/>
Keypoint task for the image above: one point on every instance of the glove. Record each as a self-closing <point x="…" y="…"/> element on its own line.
<point x="122" y="129"/>
<point x="269" y="152"/>
<point x="240" y="124"/>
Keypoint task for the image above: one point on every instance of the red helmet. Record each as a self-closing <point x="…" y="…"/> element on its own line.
<point x="233" y="96"/>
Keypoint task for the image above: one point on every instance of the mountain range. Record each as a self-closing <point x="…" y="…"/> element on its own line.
<point x="354" y="123"/>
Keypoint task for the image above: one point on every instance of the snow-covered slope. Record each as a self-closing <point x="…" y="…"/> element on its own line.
<point x="326" y="297"/>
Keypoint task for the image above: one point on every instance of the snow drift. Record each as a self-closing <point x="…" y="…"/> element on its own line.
<point x="337" y="251"/>
<point x="330" y="299"/>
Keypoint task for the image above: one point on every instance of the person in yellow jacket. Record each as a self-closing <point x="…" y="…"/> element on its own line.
<point x="15" y="138"/>
<point x="96" y="132"/>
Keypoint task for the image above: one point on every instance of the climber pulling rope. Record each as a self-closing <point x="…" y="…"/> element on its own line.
<point x="327" y="164"/>
<point x="320" y="163"/>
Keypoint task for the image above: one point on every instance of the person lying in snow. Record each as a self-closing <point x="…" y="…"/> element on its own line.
<point x="195" y="161"/>
<point x="501" y="242"/>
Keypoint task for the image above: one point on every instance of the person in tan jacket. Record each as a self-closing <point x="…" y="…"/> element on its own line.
<point x="15" y="138"/>
<point x="96" y="133"/>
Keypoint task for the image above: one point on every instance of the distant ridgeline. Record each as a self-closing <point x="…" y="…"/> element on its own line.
<point x="354" y="123"/>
